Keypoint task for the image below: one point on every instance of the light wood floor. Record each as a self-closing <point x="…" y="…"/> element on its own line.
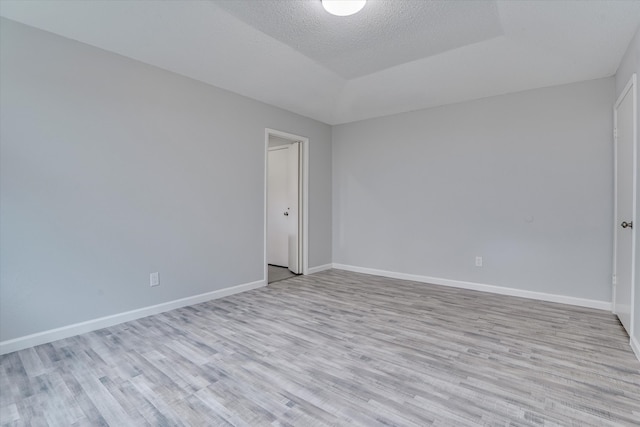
<point x="335" y="348"/>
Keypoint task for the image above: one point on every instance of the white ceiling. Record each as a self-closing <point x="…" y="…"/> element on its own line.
<point x="383" y="35"/>
<point x="394" y="56"/>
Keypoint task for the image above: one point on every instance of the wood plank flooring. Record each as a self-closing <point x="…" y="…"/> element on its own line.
<point x="335" y="348"/>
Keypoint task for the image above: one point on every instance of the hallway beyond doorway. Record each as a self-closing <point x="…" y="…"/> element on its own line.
<point x="277" y="273"/>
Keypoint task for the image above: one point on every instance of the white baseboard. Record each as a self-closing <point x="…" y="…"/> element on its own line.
<point x="320" y="268"/>
<point x="601" y="305"/>
<point x="635" y="346"/>
<point x="104" y="322"/>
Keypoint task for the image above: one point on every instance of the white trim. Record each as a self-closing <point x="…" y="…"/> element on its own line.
<point x="635" y="346"/>
<point x="630" y="86"/>
<point x="265" y="272"/>
<point x="582" y="302"/>
<point x="104" y="322"/>
<point x="320" y="268"/>
<point x="304" y="142"/>
<point x="614" y="271"/>
<point x="278" y="147"/>
<point x="304" y="147"/>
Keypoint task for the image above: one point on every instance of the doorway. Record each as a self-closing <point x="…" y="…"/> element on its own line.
<point x="286" y="202"/>
<point x="625" y="152"/>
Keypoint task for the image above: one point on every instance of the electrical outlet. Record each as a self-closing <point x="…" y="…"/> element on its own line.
<point x="478" y="261"/>
<point x="154" y="279"/>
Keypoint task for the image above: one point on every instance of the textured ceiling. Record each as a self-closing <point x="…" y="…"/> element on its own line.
<point x="394" y="56"/>
<point x="382" y="35"/>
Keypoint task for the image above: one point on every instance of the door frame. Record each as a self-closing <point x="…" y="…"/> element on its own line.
<point x="303" y="180"/>
<point x="631" y="86"/>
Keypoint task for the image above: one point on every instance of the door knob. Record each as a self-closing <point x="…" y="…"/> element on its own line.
<point x="626" y="224"/>
<point x="287" y="214"/>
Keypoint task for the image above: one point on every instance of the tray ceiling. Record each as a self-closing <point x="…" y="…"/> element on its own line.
<point x="394" y="56"/>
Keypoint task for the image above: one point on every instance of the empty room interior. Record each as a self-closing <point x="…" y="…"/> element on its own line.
<point x="319" y="213"/>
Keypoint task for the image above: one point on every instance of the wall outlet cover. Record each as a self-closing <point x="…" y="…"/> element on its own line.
<point x="154" y="279"/>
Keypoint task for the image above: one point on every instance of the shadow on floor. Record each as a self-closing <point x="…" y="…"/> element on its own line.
<point x="277" y="273"/>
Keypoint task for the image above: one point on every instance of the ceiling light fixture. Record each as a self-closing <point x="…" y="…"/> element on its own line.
<point x="343" y="7"/>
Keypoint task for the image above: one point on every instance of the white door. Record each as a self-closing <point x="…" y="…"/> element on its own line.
<point x="624" y="118"/>
<point x="287" y="218"/>
<point x="277" y="195"/>
<point x="293" y="208"/>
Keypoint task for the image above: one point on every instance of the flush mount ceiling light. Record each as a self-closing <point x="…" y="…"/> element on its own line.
<point x="343" y="7"/>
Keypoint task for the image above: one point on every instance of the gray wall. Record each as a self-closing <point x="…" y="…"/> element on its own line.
<point x="112" y="169"/>
<point x="523" y="180"/>
<point x="631" y="64"/>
